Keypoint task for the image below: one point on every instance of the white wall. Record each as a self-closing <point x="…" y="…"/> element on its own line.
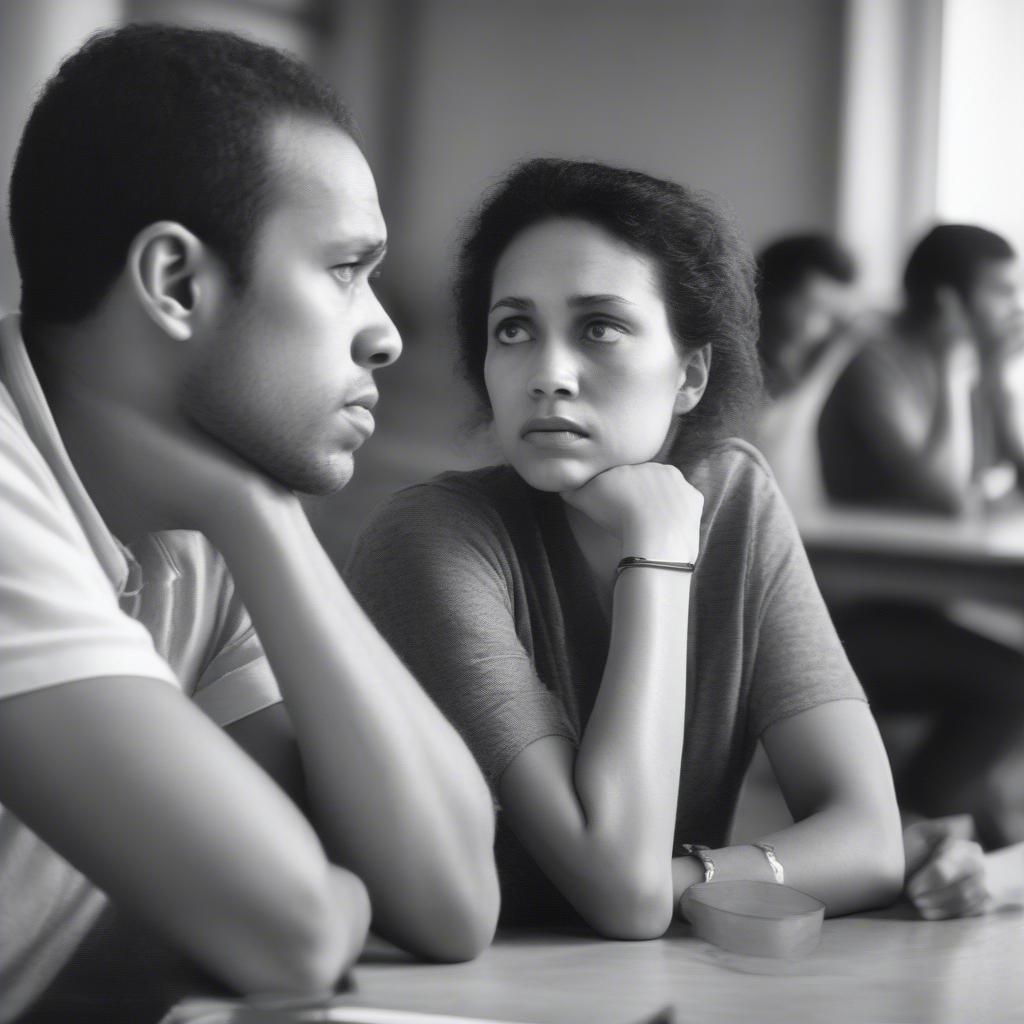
<point x="981" y="128"/>
<point x="739" y="96"/>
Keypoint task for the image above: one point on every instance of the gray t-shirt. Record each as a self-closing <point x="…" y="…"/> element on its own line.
<point x="476" y="580"/>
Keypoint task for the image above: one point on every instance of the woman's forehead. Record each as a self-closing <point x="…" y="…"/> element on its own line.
<point x="571" y="259"/>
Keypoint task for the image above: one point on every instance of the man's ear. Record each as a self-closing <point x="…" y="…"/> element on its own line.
<point x="170" y="271"/>
<point x="696" y="367"/>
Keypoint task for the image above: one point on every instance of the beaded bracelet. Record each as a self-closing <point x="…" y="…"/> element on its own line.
<point x="773" y="862"/>
<point x="702" y="853"/>
<point x="637" y="562"/>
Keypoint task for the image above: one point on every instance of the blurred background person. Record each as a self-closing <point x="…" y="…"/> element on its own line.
<point x="807" y="297"/>
<point x="919" y="420"/>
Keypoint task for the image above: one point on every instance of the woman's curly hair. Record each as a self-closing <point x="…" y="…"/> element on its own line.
<point x="705" y="269"/>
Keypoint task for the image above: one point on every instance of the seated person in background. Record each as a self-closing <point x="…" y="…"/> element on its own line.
<point x="904" y="427"/>
<point x="196" y="229"/>
<point x="607" y="323"/>
<point x="805" y="291"/>
<point x="806" y="299"/>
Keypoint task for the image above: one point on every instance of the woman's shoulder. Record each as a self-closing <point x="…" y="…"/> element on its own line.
<point x="458" y="505"/>
<point x="730" y="468"/>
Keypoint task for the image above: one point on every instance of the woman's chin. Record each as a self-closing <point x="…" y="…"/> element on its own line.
<point x="554" y="476"/>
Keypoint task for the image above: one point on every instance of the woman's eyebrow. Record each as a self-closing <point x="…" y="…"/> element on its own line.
<point x="599" y="300"/>
<point x="513" y="303"/>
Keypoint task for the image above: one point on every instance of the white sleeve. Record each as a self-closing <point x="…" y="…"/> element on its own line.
<point x="59" y="615"/>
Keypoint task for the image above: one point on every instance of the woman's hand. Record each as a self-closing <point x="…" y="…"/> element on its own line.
<point x="650" y="508"/>
<point x="945" y="868"/>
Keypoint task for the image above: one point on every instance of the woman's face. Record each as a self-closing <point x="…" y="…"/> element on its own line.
<point x="581" y="369"/>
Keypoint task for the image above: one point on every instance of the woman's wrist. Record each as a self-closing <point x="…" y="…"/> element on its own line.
<point x="660" y="546"/>
<point x="686" y="871"/>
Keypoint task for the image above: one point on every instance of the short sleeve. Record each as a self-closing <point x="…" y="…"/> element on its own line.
<point x="433" y="574"/>
<point x="200" y="624"/>
<point x="239" y="681"/>
<point x="798" y="661"/>
<point x="59" y="615"/>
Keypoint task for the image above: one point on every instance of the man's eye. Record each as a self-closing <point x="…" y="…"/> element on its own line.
<point x="344" y="273"/>
<point x="602" y="330"/>
<point x="511" y="333"/>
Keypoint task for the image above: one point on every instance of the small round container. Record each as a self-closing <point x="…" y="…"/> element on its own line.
<point x="754" y="918"/>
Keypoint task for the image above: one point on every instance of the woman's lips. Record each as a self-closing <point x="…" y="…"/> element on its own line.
<point x="553" y="438"/>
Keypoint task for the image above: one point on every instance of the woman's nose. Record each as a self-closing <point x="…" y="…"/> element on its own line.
<point x="555" y="374"/>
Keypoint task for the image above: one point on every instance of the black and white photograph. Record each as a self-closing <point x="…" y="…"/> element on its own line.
<point x="511" y="511"/>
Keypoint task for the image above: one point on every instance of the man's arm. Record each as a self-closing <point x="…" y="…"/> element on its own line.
<point x="394" y="792"/>
<point x="140" y="791"/>
<point x="931" y="458"/>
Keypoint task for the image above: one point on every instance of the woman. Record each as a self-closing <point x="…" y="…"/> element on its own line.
<point x="606" y="320"/>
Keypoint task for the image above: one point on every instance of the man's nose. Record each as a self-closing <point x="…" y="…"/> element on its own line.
<point x="377" y="344"/>
<point x="554" y="373"/>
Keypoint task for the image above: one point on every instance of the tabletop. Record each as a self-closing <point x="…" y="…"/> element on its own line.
<point x="886" y="966"/>
<point x="858" y="552"/>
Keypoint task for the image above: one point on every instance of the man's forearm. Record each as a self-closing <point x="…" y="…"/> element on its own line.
<point x="397" y="796"/>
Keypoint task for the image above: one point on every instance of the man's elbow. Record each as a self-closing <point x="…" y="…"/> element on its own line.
<point x="310" y="952"/>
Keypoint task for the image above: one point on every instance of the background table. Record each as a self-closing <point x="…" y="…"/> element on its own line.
<point x="878" y="967"/>
<point x="874" y="554"/>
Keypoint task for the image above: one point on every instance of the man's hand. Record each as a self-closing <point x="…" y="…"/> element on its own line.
<point x="178" y="475"/>
<point x="651" y="508"/>
<point x="945" y="868"/>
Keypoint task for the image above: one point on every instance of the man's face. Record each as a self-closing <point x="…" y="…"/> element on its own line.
<point x="812" y="314"/>
<point x="995" y="307"/>
<point x="286" y="379"/>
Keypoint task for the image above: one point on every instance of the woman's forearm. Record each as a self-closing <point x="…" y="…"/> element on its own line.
<point x="627" y="768"/>
<point x="844" y="857"/>
<point x="396" y="794"/>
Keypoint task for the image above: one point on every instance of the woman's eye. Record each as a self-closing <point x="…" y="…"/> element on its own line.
<point x="344" y="273"/>
<point x="602" y="330"/>
<point x="511" y="333"/>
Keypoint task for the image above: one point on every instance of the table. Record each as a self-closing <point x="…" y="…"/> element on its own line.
<point x="875" y="967"/>
<point x="878" y="554"/>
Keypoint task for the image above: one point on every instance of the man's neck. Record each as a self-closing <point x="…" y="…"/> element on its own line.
<point x="73" y="365"/>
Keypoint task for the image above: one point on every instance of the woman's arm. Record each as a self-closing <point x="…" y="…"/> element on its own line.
<point x="845" y="846"/>
<point x="600" y="821"/>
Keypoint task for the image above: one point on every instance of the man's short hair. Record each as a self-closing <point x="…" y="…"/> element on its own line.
<point x="148" y="123"/>
<point x="949" y="256"/>
<point x="787" y="263"/>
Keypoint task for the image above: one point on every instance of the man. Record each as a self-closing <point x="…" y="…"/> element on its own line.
<point x="805" y="292"/>
<point x="904" y="426"/>
<point x="196" y="231"/>
<point x="806" y="296"/>
<point x="923" y="419"/>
